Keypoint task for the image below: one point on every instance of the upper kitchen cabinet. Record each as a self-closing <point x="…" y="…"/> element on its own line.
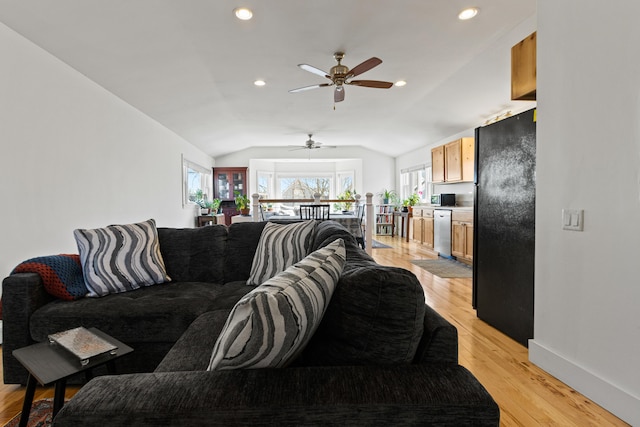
<point x="437" y="164"/>
<point x="228" y="181"/>
<point x="453" y="162"/>
<point x="523" y="70"/>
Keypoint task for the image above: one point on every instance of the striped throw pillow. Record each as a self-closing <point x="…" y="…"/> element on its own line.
<point x="280" y="246"/>
<point x="120" y="258"/>
<point x="273" y="323"/>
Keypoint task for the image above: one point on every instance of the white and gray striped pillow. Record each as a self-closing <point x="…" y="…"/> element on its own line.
<point x="280" y="246"/>
<point x="120" y="258"/>
<point x="271" y="325"/>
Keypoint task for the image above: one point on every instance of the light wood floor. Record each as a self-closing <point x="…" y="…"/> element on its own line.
<point x="527" y="395"/>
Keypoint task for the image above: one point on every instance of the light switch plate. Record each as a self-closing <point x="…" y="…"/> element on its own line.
<point x="572" y="219"/>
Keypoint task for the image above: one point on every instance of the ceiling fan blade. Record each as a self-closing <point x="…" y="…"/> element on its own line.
<point x="365" y="66"/>
<point x="314" y="70"/>
<point x="371" y="83"/>
<point x="338" y="94"/>
<point x="301" y="89"/>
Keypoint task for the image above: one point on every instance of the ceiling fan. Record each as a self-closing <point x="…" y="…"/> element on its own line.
<point x="310" y="144"/>
<point x="340" y="75"/>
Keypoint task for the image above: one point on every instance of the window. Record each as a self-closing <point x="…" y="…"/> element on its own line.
<point x="345" y="182"/>
<point x="265" y="185"/>
<point x="416" y="180"/>
<point x="197" y="184"/>
<point x="304" y="187"/>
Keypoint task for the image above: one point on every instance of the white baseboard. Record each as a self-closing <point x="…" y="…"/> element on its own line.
<point x="615" y="400"/>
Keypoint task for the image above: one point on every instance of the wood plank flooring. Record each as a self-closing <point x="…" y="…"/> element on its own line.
<point x="527" y="395"/>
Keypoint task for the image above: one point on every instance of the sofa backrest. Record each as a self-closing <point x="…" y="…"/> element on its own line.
<point x="242" y="242"/>
<point x="194" y="254"/>
<point x="215" y="253"/>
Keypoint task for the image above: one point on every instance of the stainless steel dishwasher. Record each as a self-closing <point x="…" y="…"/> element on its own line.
<point x="442" y="232"/>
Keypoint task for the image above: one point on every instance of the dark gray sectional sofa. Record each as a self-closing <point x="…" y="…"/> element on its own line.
<point x="379" y="357"/>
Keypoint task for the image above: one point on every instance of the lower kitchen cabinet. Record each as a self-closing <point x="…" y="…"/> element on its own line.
<point x="462" y="235"/>
<point x="423" y="226"/>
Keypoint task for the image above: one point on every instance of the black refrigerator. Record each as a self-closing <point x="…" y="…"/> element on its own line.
<point x="504" y="225"/>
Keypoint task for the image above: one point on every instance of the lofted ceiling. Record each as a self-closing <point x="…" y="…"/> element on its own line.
<point x="190" y="65"/>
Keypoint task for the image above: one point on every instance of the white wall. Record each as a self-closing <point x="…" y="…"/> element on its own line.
<point x="587" y="292"/>
<point x="76" y="156"/>
<point x="374" y="171"/>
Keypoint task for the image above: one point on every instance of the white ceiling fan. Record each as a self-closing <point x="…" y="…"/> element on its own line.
<point x="310" y="144"/>
<point x="340" y="75"/>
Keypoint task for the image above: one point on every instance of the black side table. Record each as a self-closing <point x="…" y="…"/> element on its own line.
<point x="49" y="363"/>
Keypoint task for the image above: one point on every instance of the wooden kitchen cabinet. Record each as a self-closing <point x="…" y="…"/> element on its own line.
<point x="427" y="229"/>
<point x="437" y="164"/>
<point x="454" y="161"/>
<point x="523" y="69"/>
<point x="418" y="229"/>
<point x="462" y="235"/>
<point x="468" y="147"/>
<point x="423" y="226"/>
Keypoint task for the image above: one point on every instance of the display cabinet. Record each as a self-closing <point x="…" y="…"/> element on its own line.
<point x="227" y="182"/>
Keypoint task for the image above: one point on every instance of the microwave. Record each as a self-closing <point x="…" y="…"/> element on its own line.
<point x="444" y="199"/>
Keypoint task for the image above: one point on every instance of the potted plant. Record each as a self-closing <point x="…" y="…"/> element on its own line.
<point x="386" y="196"/>
<point x="411" y="201"/>
<point x="396" y="202"/>
<point x="348" y="196"/>
<point x="243" y="204"/>
<point x="215" y="206"/>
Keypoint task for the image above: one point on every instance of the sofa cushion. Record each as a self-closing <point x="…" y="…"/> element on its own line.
<point x="150" y="314"/>
<point x="242" y="242"/>
<point x="280" y="246"/>
<point x="194" y="254"/>
<point x="375" y="317"/>
<point x="120" y="258"/>
<point x="271" y="325"/>
<point x="192" y="352"/>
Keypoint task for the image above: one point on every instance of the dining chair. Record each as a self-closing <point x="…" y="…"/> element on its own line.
<point x="319" y="212"/>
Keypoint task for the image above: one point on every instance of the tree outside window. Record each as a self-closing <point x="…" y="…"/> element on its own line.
<point x="305" y="187"/>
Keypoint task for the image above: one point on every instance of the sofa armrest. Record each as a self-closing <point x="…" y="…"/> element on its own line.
<point x="22" y="294"/>
<point x="350" y="395"/>
<point x="439" y="342"/>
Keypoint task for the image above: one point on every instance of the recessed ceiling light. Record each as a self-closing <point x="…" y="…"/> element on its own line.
<point x="468" y="13"/>
<point x="259" y="83"/>
<point x="243" y="13"/>
<point x="400" y="83"/>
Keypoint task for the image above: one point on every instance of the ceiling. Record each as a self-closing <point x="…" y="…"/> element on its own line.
<point x="190" y="65"/>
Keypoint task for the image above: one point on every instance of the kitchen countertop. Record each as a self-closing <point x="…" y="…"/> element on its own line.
<point x="456" y="208"/>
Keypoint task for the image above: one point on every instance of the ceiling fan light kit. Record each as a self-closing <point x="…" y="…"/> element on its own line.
<point x="310" y="144"/>
<point x="340" y="75"/>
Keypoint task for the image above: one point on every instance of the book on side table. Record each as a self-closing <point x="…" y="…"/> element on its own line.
<point x="82" y="343"/>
